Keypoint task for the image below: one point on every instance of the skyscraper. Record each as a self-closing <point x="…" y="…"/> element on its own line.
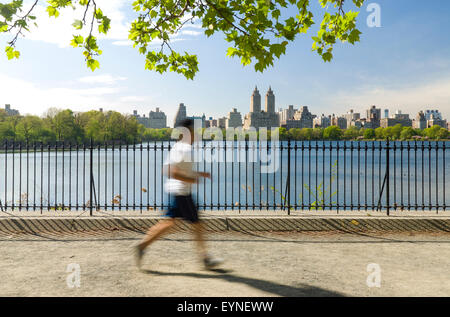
<point x="181" y="114"/>
<point x="255" y="104"/>
<point x="262" y="119"/>
<point x="270" y="101"/>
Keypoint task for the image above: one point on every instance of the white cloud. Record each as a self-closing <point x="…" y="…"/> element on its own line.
<point x="59" y="30"/>
<point x="101" y="79"/>
<point x="30" y="98"/>
<point x="190" y="32"/>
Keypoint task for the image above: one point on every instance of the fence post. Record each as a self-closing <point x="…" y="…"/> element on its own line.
<point x="289" y="177"/>
<point x="91" y="151"/>
<point x="387" y="175"/>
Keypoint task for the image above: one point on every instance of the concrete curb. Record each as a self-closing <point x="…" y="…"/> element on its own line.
<point x="61" y="225"/>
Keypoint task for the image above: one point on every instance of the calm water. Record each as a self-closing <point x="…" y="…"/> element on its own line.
<point x="329" y="177"/>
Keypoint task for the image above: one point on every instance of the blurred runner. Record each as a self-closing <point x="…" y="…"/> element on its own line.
<point x="179" y="169"/>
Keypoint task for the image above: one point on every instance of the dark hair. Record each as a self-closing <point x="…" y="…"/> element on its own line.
<point x="186" y="123"/>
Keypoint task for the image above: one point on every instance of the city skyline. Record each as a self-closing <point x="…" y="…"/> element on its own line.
<point x="408" y="69"/>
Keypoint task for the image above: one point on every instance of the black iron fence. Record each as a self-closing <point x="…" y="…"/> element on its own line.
<point x="290" y="175"/>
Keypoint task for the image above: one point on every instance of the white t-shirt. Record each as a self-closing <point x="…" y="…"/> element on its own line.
<point x="181" y="157"/>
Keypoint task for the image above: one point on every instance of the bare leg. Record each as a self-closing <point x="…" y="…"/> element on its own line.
<point x="156" y="231"/>
<point x="199" y="237"/>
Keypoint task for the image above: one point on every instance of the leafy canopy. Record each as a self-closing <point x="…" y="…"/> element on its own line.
<point x="258" y="30"/>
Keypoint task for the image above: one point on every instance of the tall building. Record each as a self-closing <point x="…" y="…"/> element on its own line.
<point x="181" y="114"/>
<point x="222" y="122"/>
<point x="351" y="117"/>
<point x="262" y="119"/>
<point x="157" y="119"/>
<point x="255" y="104"/>
<point x="302" y="119"/>
<point x="234" y="119"/>
<point x="287" y="114"/>
<point x="397" y="118"/>
<point x="270" y="101"/>
<point x="436" y="121"/>
<point x="141" y="120"/>
<point x="386" y="113"/>
<point x="11" y="112"/>
<point x="211" y="123"/>
<point x="322" y="122"/>
<point x="435" y="113"/>
<point x="340" y="122"/>
<point x="373" y="115"/>
<point x="420" y="122"/>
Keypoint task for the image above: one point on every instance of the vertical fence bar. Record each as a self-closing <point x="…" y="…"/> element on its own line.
<point x="77" y="183"/>
<point x="56" y="175"/>
<point x="154" y="175"/>
<point x="365" y="175"/>
<point x="394" y="150"/>
<point x="28" y="174"/>
<point x="6" y="174"/>
<point x="337" y="177"/>
<point x="62" y="176"/>
<point x="429" y="174"/>
<point x="288" y="180"/>
<point x="415" y="175"/>
<point x="443" y="174"/>
<point x="387" y="176"/>
<point x="42" y="177"/>
<point x="70" y="175"/>
<point x="91" y="178"/>
<point x="34" y="175"/>
<point x="48" y="177"/>
<point x="13" y="172"/>
<point x="323" y="175"/>
<point x="437" y="176"/>
<point x="359" y="175"/>
<point x="20" y="175"/>
<point x="409" y="175"/>
<point x="345" y="175"/>
<point x="402" y="148"/>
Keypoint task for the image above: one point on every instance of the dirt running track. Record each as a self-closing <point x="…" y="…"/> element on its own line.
<point x="263" y="264"/>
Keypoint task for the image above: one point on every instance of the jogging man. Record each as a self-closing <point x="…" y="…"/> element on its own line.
<point x="179" y="169"/>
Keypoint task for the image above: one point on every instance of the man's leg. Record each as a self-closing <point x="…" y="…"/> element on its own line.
<point x="200" y="239"/>
<point x="208" y="261"/>
<point x="156" y="231"/>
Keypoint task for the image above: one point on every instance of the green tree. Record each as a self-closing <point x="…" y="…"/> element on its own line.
<point x="29" y="128"/>
<point x="306" y="134"/>
<point x="369" y="134"/>
<point x="407" y="133"/>
<point x="332" y="133"/>
<point x="379" y="133"/>
<point x="351" y="133"/>
<point x="433" y="132"/>
<point x="258" y="30"/>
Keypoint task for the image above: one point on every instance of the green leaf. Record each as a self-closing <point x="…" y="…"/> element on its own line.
<point x="78" y="24"/>
<point x="93" y="64"/>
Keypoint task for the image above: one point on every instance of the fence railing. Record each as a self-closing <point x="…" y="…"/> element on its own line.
<point x="313" y="175"/>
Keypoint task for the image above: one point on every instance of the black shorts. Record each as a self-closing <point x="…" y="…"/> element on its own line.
<point x="183" y="207"/>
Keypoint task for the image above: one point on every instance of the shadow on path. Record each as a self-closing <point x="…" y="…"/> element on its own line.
<point x="266" y="286"/>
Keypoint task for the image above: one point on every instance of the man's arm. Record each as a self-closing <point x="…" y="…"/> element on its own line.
<point x="179" y="174"/>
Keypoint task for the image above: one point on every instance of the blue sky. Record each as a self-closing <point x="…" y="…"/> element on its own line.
<point x="403" y="65"/>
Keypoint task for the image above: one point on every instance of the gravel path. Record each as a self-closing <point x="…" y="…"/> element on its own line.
<point x="267" y="264"/>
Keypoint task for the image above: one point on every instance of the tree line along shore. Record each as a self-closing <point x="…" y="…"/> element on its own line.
<point x="65" y="125"/>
